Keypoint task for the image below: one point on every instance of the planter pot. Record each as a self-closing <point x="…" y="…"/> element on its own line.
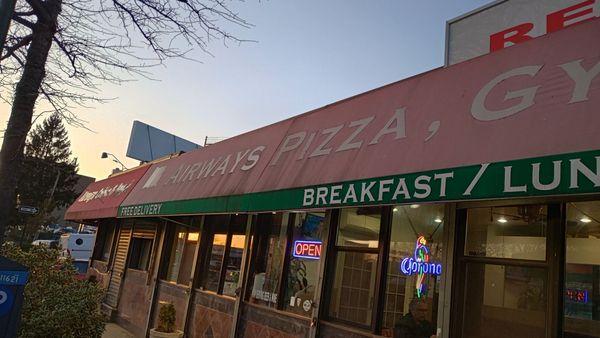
<point x="157" y="334"/>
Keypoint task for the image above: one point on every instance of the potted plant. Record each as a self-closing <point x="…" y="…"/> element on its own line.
<point x="166" y="323"/>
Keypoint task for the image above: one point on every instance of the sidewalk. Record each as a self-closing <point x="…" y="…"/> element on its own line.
<point x="112" y="330"/>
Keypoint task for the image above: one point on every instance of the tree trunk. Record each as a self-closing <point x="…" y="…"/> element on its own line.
<point x="26" y="93"/>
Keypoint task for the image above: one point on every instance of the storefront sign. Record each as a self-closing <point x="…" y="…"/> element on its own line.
<point x="543" y="176"/>
<point x="566" y="174"/>
<point x="307" y="249"/>
<point x="506" y="23"/>
<point x="101" y="199"/>
<point x="393" y="144"/>
<point x="104" y="192"/>
<point x="142" y="210"/>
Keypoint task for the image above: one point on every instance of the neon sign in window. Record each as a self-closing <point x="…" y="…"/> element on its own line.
<point x="420" y="265"/>
<point x="578" y="296"/>
<point x="307" y="249"/>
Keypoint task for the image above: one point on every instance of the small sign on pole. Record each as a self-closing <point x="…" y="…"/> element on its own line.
<point x="6" y="11"/>
<point x="25" y="209"/>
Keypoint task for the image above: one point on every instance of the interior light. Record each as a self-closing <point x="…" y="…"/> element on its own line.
<point x="414" y="206"/>
<point x="585" y="220"/>
<point x="438" y="220"/>
<point x="395" y="209"/>
<point x="502" y="220"/>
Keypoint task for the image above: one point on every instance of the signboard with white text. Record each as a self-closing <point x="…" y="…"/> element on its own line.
<point x="534" y="100"/>
<point x="508" y="22"/>
<point x="101" y="199"/>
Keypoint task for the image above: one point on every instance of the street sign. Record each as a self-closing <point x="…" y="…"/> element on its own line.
<point x="6" y="9"/>
<point x="13" y="277"/>
<point x="24" y="209"/>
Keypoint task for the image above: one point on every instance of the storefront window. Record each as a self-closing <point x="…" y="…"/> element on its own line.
<point x="226" y="235"/>
<point x="303" y="275"/>
<point x="104" y="241"/>
<point x="270" y="237"/>
<point x="358" y="228"/>
<point x="109" y="234"/>
<point x="181" y="257"/>
<point x="414" y="268"/>
<point x="355" y="272"/>
<point x="504" y="301"/>
<point x="234" y="264"/>
<point x="507" y="232"/>
<point x="582" y="271"/>
<point x="216" y="254"/>
<point x="140" y="253"/>
<point x="504" y="273"/>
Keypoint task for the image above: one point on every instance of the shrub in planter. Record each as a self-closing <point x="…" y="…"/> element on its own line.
<point x="56" y="303"/>
<point x="166" y="323"/>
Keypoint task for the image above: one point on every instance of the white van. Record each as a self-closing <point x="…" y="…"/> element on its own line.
<point x="77" y="246"/>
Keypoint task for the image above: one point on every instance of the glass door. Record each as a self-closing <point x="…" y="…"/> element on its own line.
<point x="501" y="285"/>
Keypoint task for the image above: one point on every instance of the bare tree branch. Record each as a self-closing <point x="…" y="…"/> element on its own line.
<point x="23" y="21"/>
<point x="11" y="50"/>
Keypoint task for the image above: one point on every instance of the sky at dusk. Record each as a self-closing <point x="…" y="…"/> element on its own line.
<point x="307" y="54"/>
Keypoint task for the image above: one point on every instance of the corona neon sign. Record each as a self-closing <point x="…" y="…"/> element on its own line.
<point x="420" y="265"/>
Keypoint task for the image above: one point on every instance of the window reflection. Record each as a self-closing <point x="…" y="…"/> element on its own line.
<point x="234" y="264"/>
<point x="270" y="238"/>
<point x="216" y="254"/>
<point x="181" y="256"/>
<point x="517" y="232"/>
<point x="504" y="301"/>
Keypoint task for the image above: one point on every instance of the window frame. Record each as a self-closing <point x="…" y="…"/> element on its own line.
<point x="284" y="264"/>
<point x="382" y="252"/>
<point x="101" y="244"/>
<point x="131" y="254"/>
<point x="553" y="264"/>
<point x="205" y="247"/>
<point x="194" y="224"/>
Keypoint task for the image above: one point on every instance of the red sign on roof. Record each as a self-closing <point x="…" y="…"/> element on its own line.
<point x="102" y="199"/>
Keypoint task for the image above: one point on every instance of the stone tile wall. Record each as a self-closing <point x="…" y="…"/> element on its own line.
<point x="134" y="302"/>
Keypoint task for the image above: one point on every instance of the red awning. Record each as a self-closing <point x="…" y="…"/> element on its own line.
<point x="101" y="199"/>
<point x="517" y="103"/>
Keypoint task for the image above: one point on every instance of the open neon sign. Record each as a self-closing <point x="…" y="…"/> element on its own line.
<point x="420" y="265"/>
<point x="307" y="249"/>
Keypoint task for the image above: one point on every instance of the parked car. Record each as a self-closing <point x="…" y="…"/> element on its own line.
<point x="78" y="246"/>
<point x="49" y="242"/>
